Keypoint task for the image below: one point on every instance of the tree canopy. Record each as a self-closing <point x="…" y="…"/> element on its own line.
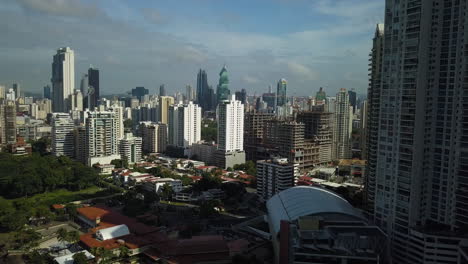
<point x="28" y="175"/>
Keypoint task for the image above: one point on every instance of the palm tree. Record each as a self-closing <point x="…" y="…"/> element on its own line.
<point x="62" y="234"/>
<point x="124" y="252"/>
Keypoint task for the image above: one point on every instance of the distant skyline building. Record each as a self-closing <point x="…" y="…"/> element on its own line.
<point x="164" y="103"/>
<point x="94" y="85"/>
<point x="281" y="93"/>
<point x="203" y="96"/>
<point x="63" y="141"/>
<point x="342" y="126"/>
<point x="190" y="93"/>
<point x="162" y="90"/>
<point x="17" y="88"/>
<point x="139" y="92"/>
<point x="184" y="124"/>
<point x="353" y="99"/>
<point x="320" y="97"/>
<point x="63" y="79"/>
<point x="47" y="92"/>
<point x="242" y="96"/>
<point x="223" y="91"/>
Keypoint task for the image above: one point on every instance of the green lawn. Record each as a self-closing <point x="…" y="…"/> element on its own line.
<point x="63" y="196"/>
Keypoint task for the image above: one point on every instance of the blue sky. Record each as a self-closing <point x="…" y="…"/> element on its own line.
<point x="311" y="43"/>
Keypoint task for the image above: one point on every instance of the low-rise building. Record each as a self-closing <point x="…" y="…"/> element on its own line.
<point x="154" y="184"/>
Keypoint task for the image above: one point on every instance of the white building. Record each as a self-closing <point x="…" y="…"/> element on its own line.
<point x="63" y="79"/>
<point x="130" y="148"/>
<point x="231" y="125"/>
<point x="101" y="136"/>
<point x="154" y="184"/>
<point x="184" y="124"/>
<point x="342" y="127"/>
<point x="76" y="101"/>
<point x="119" y="115"/>
<point x="112" y="232"/>
<point x="62" y="135"/>
<point x="274" y="176"/>
<point x="154" y="137"/>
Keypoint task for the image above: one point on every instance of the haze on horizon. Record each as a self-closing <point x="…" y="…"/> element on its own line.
<point x="311" y="43"/>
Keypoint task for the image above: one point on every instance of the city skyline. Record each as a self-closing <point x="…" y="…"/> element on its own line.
<point x="163" y="45"/>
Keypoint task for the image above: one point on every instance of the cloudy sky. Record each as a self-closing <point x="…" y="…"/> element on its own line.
<point x="311" y="43"/>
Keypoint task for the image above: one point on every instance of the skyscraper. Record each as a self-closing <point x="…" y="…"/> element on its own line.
<point x="162" y="90"/>
<point x="230" y="117"/>
<point x="189" y="93"/>
<point x="231" y="125"/>
<point x="373" y="105"/>
<point x="242" y="96"/>
<point x="342" y="126"/>
<point x="140" y="92"/>
<point x="281" y="97"/>
<point x="93" y="83"/>
<point x="352" y="99"/>
<point x="47" y="92"/>
<point x="164" y="103"/>
<point x="184" y="124"/>
<point x="202" y="90"/>
<point x="420" y="183"/>
<point x="63" y="140"/>
<point x="63" y="79"/>
<point x="223" y="91"/>
<point x="320" y="97"/>
<point x="17" y="88"/>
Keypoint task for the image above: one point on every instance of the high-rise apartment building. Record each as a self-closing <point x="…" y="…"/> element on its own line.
<point x="352" y="99"/>
<point x="274" y="176"/>
<point x="63" y="140"/>
<point x="230" y="116"/>
<point x="184" y="125"/>
<point x="80" y="143"/>
<point x="231" y="125"/>
<point x="317" y="127"/>
<point x="154" y="137"/>
<point x="281" y="95"/>
<point x="420" y="181"/>
<point x="76" y="101"/>
<point x="342" y="126"/>
<point x="8" y="122"/>
<point x="164" y="103"/>
<point x="119" y="119"/>
<point x="223" y="92"/>
<point x="130" y="148"/>
<point x="254" y="123"/>
<point x="63" y="79"/>
<point x="2" y="91"/>
<point x="101" y="137"/>
<point x="93" y="85"/>
<point x="373" y="110"/>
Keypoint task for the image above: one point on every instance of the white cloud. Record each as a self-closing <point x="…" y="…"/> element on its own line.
<point x="250" y="79"/>
<point x="75" y="8"/>
<point x="153" y="15"/>
<point x="302" y="71"/>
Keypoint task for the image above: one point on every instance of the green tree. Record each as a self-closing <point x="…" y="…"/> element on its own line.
<point x="166" y="191"/>
<point x="124" y="252"/>
<point x="80" y="258"/>
<point x="120" y="163"/>
<point x="62" y="234"/>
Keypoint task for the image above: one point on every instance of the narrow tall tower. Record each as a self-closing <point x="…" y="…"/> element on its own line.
<point x="63" y="78"/>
